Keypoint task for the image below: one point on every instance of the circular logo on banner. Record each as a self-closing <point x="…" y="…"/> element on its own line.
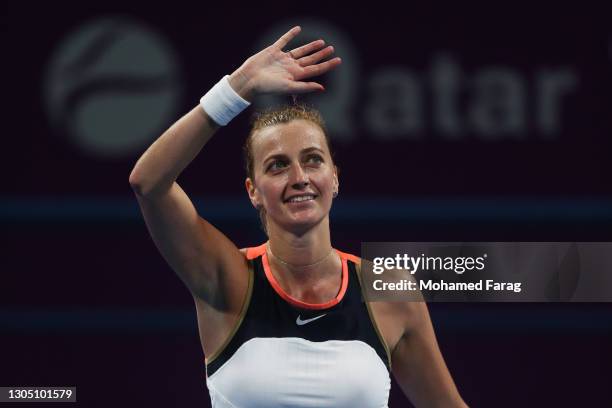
<point x="112" y="86"/>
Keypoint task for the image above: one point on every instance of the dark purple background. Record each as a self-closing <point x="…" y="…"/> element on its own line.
<point x="86" y="300"/>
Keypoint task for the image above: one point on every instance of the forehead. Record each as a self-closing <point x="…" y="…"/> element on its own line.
<point x="287" y="138"/>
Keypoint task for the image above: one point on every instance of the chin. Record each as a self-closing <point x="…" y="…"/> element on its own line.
<point x="301" y="223"/>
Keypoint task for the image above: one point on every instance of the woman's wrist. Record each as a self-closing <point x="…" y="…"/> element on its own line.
<point x="222" y="103"/>
<point x="241" y="85"/>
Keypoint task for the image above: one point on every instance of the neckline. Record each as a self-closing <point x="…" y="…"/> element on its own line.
<point x="301" y="304"/>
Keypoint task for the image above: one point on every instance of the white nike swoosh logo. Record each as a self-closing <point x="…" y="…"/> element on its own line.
<point x="301" y="322"/>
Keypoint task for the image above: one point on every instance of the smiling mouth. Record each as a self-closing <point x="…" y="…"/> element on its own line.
<point x="301" y="198"/>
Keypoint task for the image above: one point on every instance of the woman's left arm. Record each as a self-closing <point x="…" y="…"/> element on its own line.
<point x="418" y="365"/>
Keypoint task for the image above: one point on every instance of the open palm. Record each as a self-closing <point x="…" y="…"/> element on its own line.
<point x="273" y="70"/>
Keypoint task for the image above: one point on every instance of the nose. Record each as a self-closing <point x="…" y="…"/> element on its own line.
<point x="299" y="178"/>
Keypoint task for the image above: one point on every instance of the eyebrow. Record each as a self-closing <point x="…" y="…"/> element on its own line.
<point x="284" y="156"/>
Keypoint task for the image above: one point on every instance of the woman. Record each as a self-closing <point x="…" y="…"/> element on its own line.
<point x="282" y="324"/>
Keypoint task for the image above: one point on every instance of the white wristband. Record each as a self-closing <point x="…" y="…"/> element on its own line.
<point x="222" y="103"/>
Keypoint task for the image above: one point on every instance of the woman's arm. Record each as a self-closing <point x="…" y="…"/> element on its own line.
<point x="418" y="365"/>
<point x="185" y="240"/>
<point x="199" y="253"/>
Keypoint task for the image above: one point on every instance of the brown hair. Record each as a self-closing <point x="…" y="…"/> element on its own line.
<point x="274" y="116"/>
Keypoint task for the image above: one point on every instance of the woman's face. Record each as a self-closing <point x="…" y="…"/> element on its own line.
<point x="294" y="174"/>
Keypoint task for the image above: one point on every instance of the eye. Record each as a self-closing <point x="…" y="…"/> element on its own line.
<point x="314" y="158"/>
<point x="276" y="165"/>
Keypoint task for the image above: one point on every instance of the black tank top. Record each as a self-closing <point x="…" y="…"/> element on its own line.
<point x="273" y="318"/>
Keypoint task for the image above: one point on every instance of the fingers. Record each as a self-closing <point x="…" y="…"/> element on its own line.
<point x="299" y="52"/>
<point x="316" y="57"/>
<point x="304" y="87"/>
<point x="319" y="69"/>
<point x="288" y="36"/>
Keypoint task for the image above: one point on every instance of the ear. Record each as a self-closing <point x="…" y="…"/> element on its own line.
<point x="336" y="181"/>
<point x="252" y="192"/>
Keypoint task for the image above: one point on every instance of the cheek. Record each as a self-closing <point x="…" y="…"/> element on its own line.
<point x="271" y="190"/>
<point x="325" y="181"/>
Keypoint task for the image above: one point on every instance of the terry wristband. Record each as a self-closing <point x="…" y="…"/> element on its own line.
<point x="222" y="103"/>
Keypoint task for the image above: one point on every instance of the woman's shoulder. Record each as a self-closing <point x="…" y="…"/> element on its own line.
<point x="350" y="257"/>
<point x="253" y="252"/>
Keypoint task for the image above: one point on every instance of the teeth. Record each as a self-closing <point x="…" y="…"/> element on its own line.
<point x="301" y="198"/>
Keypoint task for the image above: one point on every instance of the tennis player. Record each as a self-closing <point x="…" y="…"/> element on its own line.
<point x="283" y="323"/>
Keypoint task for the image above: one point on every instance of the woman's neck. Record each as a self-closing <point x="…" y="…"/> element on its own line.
<point x="306" y="265"/>
<point x="302" y="251"/>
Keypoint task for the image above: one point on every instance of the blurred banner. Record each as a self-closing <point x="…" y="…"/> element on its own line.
<point x="502" y="104"/>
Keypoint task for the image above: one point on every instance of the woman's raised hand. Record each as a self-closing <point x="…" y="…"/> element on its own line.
<point x="273" y="70"/>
